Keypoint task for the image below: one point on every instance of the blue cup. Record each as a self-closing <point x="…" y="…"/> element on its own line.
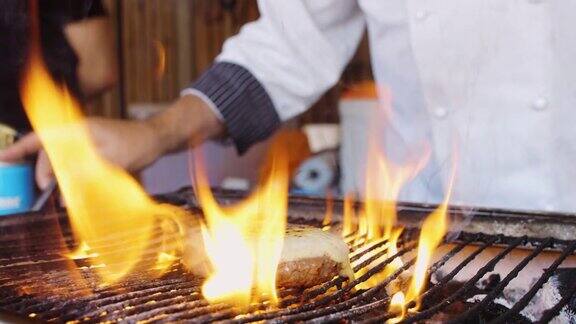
<point x="16" y="188"/>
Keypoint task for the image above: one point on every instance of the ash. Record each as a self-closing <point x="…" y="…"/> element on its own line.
<point x="547" y="297"/>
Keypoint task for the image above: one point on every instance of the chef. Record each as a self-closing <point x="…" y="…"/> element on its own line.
<point x="496" y="75"/>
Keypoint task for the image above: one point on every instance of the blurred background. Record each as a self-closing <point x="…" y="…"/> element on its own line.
<point x="166" y="44"/>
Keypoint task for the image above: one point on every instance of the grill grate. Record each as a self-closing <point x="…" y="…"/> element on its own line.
<point x="36" y="281"/>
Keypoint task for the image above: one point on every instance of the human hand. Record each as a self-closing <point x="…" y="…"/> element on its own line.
<point x="132" y="145"/>
<point x="127" y="144"/>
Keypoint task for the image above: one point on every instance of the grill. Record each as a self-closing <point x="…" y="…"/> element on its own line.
<point x="36" y="282"/>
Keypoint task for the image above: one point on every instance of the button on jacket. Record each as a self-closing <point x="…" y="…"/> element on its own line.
<point x="492" y="80"/>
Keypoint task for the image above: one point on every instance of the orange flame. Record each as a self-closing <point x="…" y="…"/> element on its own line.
<point x="164" y="261"/>
<point x="244" y="241"/>
<point x="82" y="252"/>
<point x="397" y="306"/>
<point x="384" y="180"/>
<point x="105" y="204"/>
<point x="348" y="217"/>
<point x="432" y="232"/>
<point x="362" y="228"/>
<point x="397" y="263"/>
<point x="170" y="244"/>
<point x="327" y="222"/>
<point x="391" y="248"/>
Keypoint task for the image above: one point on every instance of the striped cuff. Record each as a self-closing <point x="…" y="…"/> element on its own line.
<point x="242" y="101"/>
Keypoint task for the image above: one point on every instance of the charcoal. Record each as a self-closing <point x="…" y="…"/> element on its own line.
<point x="562" y="280"/>
<point x="449" y="288"/>
<point x="482" y="287"/>
<point x="488" y="314"/>
<point x="450" y="312"/>
<point x="489" y="283"/>
<point x="558" y="287"/>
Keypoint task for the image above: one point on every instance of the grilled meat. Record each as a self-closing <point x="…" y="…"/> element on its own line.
<point x="309" y="257"/>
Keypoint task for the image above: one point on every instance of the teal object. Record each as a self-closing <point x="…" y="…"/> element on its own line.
<point x="16" y="188"/>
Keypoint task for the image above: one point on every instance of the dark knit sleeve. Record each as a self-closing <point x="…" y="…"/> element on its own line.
<point x="243" y="103"/>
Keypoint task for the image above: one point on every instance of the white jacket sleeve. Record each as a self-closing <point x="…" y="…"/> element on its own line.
<point x="282" y="62"/>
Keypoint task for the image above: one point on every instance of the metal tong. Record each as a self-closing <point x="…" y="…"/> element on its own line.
<point x="45" y="196"/>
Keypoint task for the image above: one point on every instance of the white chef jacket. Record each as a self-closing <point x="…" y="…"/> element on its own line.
<point x="496" y="77"/>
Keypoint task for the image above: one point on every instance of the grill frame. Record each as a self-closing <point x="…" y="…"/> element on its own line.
<point x="344" y="304"/>
<point x="494" y="221"/>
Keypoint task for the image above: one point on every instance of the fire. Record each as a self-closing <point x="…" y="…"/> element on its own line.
<point x="432" y="232"/>
<point x="170" y="244"/>
<point x="244" y="241"/>
<point x="397" y="306"/>
<point x="393" y="250"/>
<point x="105" y="204"/>
<point x="348" y="225"/>
<point x="327" y="222"/>
<point x="377" y="220"/>
<point x="384" y="180"/>
<point x="362" y="228"/>
<point x="233" y="261"/>
<point x="82" y="252"/>
<point x="164" y="261"/>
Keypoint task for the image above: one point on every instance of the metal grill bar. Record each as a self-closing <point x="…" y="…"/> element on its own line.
<point x="361" y="252"/>
<point x="354" y="312"/>
<point x="433" y="289"/>
<point x="500" y="287"/>
<point x="432" y="269"/>
<point x="384" y="302"/>
<point x="367" y="295"/>
<point x="310" y="310"/>
<point x="26" y="265"/>
<point x="460" y="292"/>
<point x="523" y="302"/>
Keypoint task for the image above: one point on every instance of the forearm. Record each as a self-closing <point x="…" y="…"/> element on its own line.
<point x="135" y="144"/>
<point x="189" y="121"/>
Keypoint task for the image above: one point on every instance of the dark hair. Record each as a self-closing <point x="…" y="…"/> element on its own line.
<point x="59" y="56"/>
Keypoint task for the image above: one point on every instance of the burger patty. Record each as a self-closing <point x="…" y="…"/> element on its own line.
<point x="309" y="257"/>
<point x="306" y="272"/>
